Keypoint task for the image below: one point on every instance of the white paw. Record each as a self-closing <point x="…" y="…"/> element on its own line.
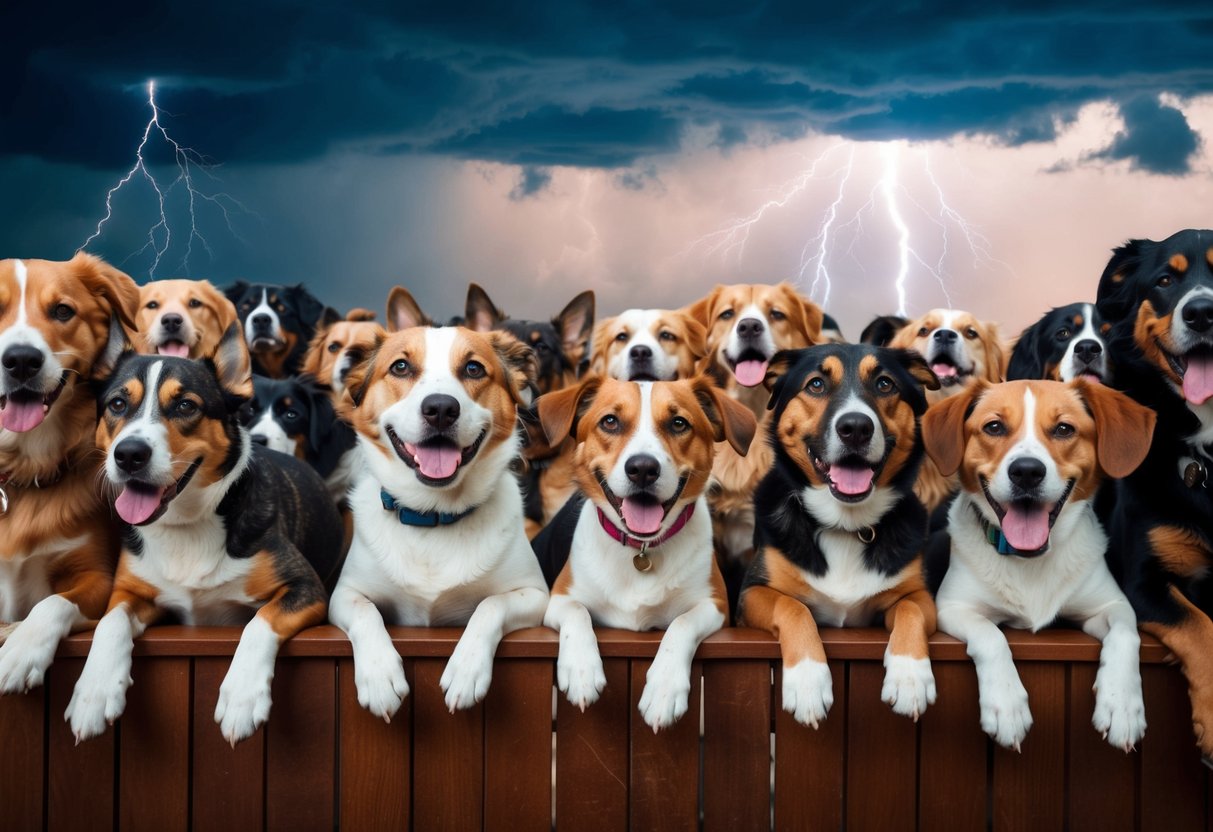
<point x="1005" y="714"/>
<point x="808" y="691"/>
<point x="1120" y="713"/>
<point x="24" y="658"/>
<point x="466" y="677"/>
<point x="666" y="690"/>
<point x="379" y="678"/>
<point x="580" y="676"/>
<point x="244" y="706"/>
<point x="909" y="685"/>
<point x="97" y="701"/>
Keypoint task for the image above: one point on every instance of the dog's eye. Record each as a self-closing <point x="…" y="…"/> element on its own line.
<point x="884" y="384"/>
<point x="994" y="428"/>
<point x="473" y="369"/>
<point x="609" y="423"/>
<point x="62" y="312"/>
<point x="1063" y="334"/>
<point x="539" y="346"/>
<point x="666" y="335"/>
<point x="679" y="425"/>
<point x="776" y="315"/>
<point x="185" y="408"/>
<point x="726" y="314"/>
<point x="970" y="333"/>
<point x="400" y="368"/>
<point x="923" y="332"/>
<point x="290" y="415"/>
<point x="622" y="336"/>
<point x="153" y="304"/>
<point x="334" y="347"/>
<point x="816" y="385"/>
<point x="195" y="303"/>
<point x="1063" y="430"/>
<point x="1165" y="281"/>
<point x="117" y="406"/>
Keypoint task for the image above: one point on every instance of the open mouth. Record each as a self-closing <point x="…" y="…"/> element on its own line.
<point x="1195" y="368"/>
<point x="437" y="460"/>
<point x="141" y="503"/>
<point x="851" y="479"/>
<point x="750" y="367"/>
<point x="174" y="347"/>
<point x="643" y="375"/>
<point x="948" y="371"/>
<point x="642" y="513"/>
<point x="1026" y="523"/>
<point x="23" y="410"/>
<point x="265" y="343"/>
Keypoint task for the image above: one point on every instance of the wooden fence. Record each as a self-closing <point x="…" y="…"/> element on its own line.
<point x="324" y="762"/>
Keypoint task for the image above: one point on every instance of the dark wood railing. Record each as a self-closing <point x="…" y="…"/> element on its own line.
<point x="322" y="761"/>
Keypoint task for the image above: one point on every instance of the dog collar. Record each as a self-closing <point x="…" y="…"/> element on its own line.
<point x="408" y="517"/>
<point x="994" y="535"/>
<point x="6" y="479"/>
<point x="641" y="561"/>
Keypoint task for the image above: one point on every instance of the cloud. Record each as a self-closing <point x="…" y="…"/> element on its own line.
<point x="1156" y="138"/>
<point x="531" y="180"/>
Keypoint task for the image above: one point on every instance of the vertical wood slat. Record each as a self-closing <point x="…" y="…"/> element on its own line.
<point x="448" y="756"/>
<point x="300" y="745"/>
<point x="592" y="757"/>
<point x="809" y="763"/>
<point x="23" y="757"/>
<point x="154" y="765"/>
<point x="664" y="773"/>
<point x="1029" y="787"/>
<point x="374" y="759"/>
<point x="882" y="756"/>
<point x="518" y="746"/>
<point x="737" y="745"/>
<point x="1102" y="778"/>
<point x="228" y="783"/>
<point x="953" y="754"/>
<point x="1171" y="792"/>
<point x="82" y="777"/>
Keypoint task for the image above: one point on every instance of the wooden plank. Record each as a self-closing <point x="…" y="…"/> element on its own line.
<point x="664" y="772"/>
<point x="1102" y="778"/>
<point x="228" y="783"/>
<point x="518" y="746"/>
<point x="1029" y="787"/>
<point x="737" y="745"/>
<point x="953" y="754"/>
<point x="1172" y="777"/>
<point x="592" y="757"/>
<point x="882" y="756"/>
<point x="23" y="757"/>
<point x="300" y="745"/>
<point x="81" y="788"/>
<point x="809" y="764"/>
<point x="374" y="759"/>
<point x="448" y="756"/>
<point x="154" y="764"/>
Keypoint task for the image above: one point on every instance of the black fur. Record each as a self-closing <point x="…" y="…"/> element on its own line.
<point x="301" y="313"/>
<point x="303" y="409"/>
<point x="1041" y="347"/>
<point x="880" y="330"/>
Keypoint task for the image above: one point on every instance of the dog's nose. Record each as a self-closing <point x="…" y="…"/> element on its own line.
<point x="945" y="337"/>
<point x="22" y="361"/>
<point x="171" y="322"/>
<point x="262" y="321"/>
<point x="750" y="328"/>
<point x="260" y="439"/>
<point x="132" y="455"/>
<point x="1198" y="314"/>
<point x="1027" y="472"/>
<point x="642" y="469"/>
<point x="641" y="353"/>
<point x="1087" y="350"/>
<point x="439" y="411"/>
<point x="855" y="429"/>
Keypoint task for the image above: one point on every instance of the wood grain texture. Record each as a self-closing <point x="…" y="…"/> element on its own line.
<point x="228" y="783"/>
<point x="448" y="756"/>
<point x="1102" y="778"/>
<point x="154" y="767"/>
<point x="81" y="777"/>
<point x="23" y="760"/>
<point x="737" y="745"/>
<point x="518" y="747"/>
<point x="810" y="763"/>
<point x="300" y="746"/>
<point x="374" y="759"/>
<point x="592" y="757"/>
<point x="1172" y="778"/>
<point x="953" y="754"/>
<point x="1030" y="786"/>
<point x="665" y="765"/>
<point x="882" y="756"/>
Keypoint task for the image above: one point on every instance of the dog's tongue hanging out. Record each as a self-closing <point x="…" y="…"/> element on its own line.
<point x="437" y="461"/>
<point x="943" y="370"/>
<point x="22" y="416"/>
<point x="851" y="480"/>
<point x="750" y="373"/>
<point x="135" y="505"/>
<point x="642" y="516"/>
<point x="1198" y="379"/>
<point x="1026" y="527"/>
<point x="174" y="348"/>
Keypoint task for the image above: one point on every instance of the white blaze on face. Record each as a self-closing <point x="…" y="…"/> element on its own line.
<point x="1069" y="361"/>
<point x="643" y="332"/>
<point x="1026" y="523"/>
<point x="853" y="479"/>
<point x="26" y="412"/>
<point x="642" y="510"/>
<point x="139" y="501"/>
<point x="276" y="438"/>
<point x="263" y="308"/>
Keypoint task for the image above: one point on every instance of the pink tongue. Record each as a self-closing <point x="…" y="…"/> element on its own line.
<point x="436" y="461"/>
<point x="1198" y="379"/>
<point x="642" y="516"/>
<point x="750" y="373"/>
<point x="1026" y="529"/>
<point x="136" y="506"/>
<point x="942" y="369"/>
<point x="22" y="416"/>
<point x="1091" y="377"/>
<point x="849" y="480"/>
<point x="174" y="348"/>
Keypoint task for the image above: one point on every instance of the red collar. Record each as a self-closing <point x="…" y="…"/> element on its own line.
<point x="626" y="539"/>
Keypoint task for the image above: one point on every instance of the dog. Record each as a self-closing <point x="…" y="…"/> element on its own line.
<point x="217" y="531"/>
<point x="336" y="348"/>
<point x="403" y="311"/>
<point x="831" y="332"/>
<point x="279" y="322"/>
<point x="637" y="542"/>
<point x="1067" y="343"/>
<point x="648" y="345"/>
<point x="185" y="318"/>
<point x="438" y="538"/>
<point x="61" y="326"/>
<point x="840" y="534"/>
<point x="881" y="329"/>
<point x="1026" y="547"/>
<point x="1158" y="297"/>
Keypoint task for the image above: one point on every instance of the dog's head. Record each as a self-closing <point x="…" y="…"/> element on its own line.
<point x="747" y="324"/>
<point x="648" y="345"/>
<point x="170" y="430"/>
<point x="1159" y="298"/>
<point x="1027" y="450"/>
<point x="436" y="409"/>
<point x="645" y="448"/>
<point x="277" y="319"/>
<point x="338" y="347"/>
<point x="846" y="418"/>
<point x="1069" y="342"/>
<point x="184" y="318"/>
<point x="959" y="348"/>
<point x="60" y="323"/>
<point x="294" y="416"/>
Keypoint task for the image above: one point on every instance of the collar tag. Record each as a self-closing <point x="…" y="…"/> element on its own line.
<point x="3" y="500"/>
<point x="1195" y="474"/>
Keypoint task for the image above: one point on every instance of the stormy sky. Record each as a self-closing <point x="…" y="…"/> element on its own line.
<point x="988" y="155"/>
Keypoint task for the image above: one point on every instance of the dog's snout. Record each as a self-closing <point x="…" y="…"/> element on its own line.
<point x="260" y="439"/>
<point x="22" y="361"/>
<point x="855" y="429"/>
<point x="641" y="352"/>
<point x="750" y="328"/>
<point x="642" y="470"/>
<point x="946" y="337"/>
<point x="1026" y="472"/>
<point x="262" y="321"/>
<point x="1198" y="314"/>
<point x="1087" y="350"/>
<point x="132" y="455"/>
<point x="171" y="322"/>
<point x="440" y="411"/>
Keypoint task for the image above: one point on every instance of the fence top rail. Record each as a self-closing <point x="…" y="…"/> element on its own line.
<point x="539" y="642"/>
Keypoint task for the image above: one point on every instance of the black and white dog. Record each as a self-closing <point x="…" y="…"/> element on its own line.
<point x="1069" y="342"/>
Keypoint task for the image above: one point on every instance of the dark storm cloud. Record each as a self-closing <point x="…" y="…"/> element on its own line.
<point x="531" y="180"/>
<point x="590" y="84"/>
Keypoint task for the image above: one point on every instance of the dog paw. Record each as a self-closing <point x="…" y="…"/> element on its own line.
<point x="97" y="702"/>
<point x="808" y="691"/>
<point x="24" y="658"/>
<point x="380" y="682"/>
<point x="581" y="679"/>
<point x="909" y="685"/>
<point x="1120" y="713"/>
<point x="244" y="706"/>
<point x="466" y="678"/>
<point x="666" y="691"/>
<point x="1005" y="715"/>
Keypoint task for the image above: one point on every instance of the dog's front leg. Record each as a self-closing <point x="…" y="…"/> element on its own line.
<point x="1120" y="713"/>
<point x="378" y="668"/>
<point x="668" y="683"/>
<point x="909" y="684"/>
<point x="808" y="686"/>
<point x="466" y="678"/>
<point x="579" y="671"/>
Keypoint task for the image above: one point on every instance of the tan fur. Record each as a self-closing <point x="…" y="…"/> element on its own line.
<point x="1189" y="640"/>
<point x="678" y="333"/>
<point x="206" y="307"/>
<point x="330" y="344"/>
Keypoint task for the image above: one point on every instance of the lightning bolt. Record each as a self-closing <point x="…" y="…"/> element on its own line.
<point x="821" y="273"/>
<point x="188" y="162"/>
<point x="887" y="188"/>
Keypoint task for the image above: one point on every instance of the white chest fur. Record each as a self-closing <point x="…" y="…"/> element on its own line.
<point x="25" y="576"/>
<point x="840" y="594"/>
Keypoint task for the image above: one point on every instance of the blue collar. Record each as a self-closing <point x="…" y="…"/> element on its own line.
<point x="408" y="517"/>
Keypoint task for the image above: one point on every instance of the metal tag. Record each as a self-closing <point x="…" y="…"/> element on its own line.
<point x="1194" y="475"/>
<point x="642" y="562"/>
<point x="3" y="501"/>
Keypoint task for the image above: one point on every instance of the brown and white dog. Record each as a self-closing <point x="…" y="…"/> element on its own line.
<point x="648" y="345"/>
<point x="438" y="537"/>
<point x="960" y="350"/>
<point x="185" y="318"/>
<point x="1026" y="546"/>
<point x="339" y="347"/>
<point x="637" y="545"/>
<point x="61" y="326"/>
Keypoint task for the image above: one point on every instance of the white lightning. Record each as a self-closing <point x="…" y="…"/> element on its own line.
<point x="821" y="272"/>
<point x="903" y="231"/>
<point x="188" y="161"/>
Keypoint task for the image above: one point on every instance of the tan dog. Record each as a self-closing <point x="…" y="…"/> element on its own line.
<point x="184" y="318"/>
<point x="340" y="346"/>
<point x="648" y="345"/>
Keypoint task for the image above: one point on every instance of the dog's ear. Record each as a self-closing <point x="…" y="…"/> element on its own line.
<point x="520" y="363"/>
<point x="943" y="428"/>
<point x="322" y="427"/>
<point x="479" y="311"/>
<point x="777" y="371"/>
<point x="360" y="375"/>
<point x="235" y="291"/>
<point x="599" y="345"/>
<point x="1116" y="296"/>
<point x="560" y="410"/>
<point x="575" y="323"/>
<point x="1124" y="429"/>
<point x="903" y="338"/>
<point x="225" y="310"/>
<point x="697" y="338"/>
<point x="359" y="315"/>
<point x="917" y="367"/>
<point x="1026" y="361"/>
<point x="116" y="345"/>
<point x="314" y="354"/>
<point x="310" y="310"/>
<point x="104" y="281"/>
<point x="733" y="421"/>
<point x="403" y="311"/>
<point x="233" y="367"/>
<point x="996" y="356"/>
<point x="806" y="315"/>
<point x="701" y="310"/>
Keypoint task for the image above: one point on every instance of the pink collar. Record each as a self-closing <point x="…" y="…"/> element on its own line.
<point x="623" y="537"/>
